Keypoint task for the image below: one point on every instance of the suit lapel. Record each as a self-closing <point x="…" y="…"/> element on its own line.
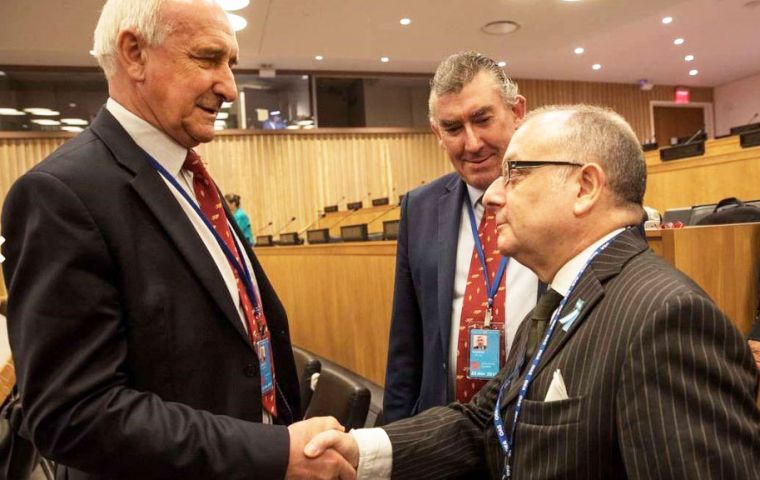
<point x="449" y="216"/>
<point x="157" y="197"/>
<point x="589" y="291"/>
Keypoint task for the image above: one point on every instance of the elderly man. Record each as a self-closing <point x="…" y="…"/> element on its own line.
<point x="442" y="300"/>
<point x="634" y="373"/>
<point x="148" y="341"/>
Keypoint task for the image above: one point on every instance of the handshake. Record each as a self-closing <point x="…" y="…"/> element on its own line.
<point x="320" y="449"/>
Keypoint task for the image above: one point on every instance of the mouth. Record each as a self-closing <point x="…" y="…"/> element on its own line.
<point x="210" y="111"/>
<point x="478" y="161"/>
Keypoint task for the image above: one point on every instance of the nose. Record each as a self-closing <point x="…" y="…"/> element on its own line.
<point x="495" y="197"/>
<point x="225" y="86"/>
<point x="472" y="142"/>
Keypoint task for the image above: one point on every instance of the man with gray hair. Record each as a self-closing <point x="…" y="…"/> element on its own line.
<point x="635" y="372"/>
<point x="147" y="340"/>
<point x="442" y="298"/>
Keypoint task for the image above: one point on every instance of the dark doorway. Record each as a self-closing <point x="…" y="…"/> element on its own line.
<point x="677" y="122"/>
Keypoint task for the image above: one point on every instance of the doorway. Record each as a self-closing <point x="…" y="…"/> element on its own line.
<point x="675" y="123"/>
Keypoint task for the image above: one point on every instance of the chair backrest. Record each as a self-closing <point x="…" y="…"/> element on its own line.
<point x="341" y="394"/>
<point x="307" y="364"/>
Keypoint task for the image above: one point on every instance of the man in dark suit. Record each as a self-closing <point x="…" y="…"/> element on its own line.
<point x="135" y="311"/>
<point x="474" y="110"/>
<point x="633" y="372"/>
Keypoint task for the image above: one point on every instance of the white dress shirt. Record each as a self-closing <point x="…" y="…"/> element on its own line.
<point x="375" y="448"/>
<point x="171" y="155"/>
<point x="521" y="283"/>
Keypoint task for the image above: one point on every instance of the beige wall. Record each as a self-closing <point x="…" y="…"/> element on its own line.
<point x="736" y="102"/>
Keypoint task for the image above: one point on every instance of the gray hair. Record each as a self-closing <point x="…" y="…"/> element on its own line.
<point x="117" y="15"/>
<point x="600" y="135"/>
<point x="459" y="69"/>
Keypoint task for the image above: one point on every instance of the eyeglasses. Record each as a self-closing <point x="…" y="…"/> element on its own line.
<point x="511" y="169"/>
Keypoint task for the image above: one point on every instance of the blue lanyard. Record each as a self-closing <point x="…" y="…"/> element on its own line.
<point x="242" y="270"/>
<point x="490" y="289"/>
<point x="507" y="443"/>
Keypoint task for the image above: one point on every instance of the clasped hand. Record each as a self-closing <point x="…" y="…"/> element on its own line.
<point x="320" y="449"/>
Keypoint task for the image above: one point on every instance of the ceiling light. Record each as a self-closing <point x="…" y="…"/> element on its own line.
<point x="237" y="22"/>
<point x="693" y="72"/>
<point x="2" y="73"/>
<point x="232" y="5"/>
<point x="222" y="116"/>
<point x="385" y="59"/>
<point x="11" y="112"/>
<point x="689" y="58"/>
<point x="501" y="27"/>
<point x="226" y="104"/>
<point x="678" y="41"/>
<point x="579" y="50"/>
<point x="319" y="58"/>
<point x="74" y="121"/>
<point x="92" y="52"/>
<point x="46" y="122"/>
<point x="667" y="20"/>
<point x="43" y="112"/>
<point x="405" y="21"/>
<point x="502" y="63"/>
<point x="304" y="77"/>
<point x="72" y="129"/>
<point x="596" y="66"/>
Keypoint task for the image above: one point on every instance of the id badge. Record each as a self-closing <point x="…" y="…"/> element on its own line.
<point x="264" y="350"/>
<point x="484" y="353"/>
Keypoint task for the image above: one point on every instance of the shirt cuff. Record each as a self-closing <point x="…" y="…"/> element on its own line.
<point x="375" y="454"/>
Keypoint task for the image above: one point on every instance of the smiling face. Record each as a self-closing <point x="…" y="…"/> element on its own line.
<point x="474" y="126"/>
<point x="188" y="76"/>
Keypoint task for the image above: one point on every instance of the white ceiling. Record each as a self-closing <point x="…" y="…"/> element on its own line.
<point x="625" y="36"/>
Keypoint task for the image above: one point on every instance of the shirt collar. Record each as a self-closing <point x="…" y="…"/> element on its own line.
<point x="475" y="194"/>
<point x="156" y="143"/>
<point x="569" y="271"/>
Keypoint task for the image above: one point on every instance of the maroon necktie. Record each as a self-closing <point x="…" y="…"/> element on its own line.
<point x="474" y="306"/>
<point x="211" y="206"/>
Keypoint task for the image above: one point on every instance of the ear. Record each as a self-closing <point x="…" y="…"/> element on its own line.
<point x="437" y="132"/>
<point x="519" y="109"/>
<point x="591" y="184"/>
<point x="130" y="49"/>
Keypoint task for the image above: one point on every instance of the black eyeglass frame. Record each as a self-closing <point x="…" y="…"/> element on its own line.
<point x="517" y="165"/>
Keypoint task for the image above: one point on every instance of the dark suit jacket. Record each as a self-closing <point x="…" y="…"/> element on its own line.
<point x="417" y="375"/>
<point x="660" y="385"/>
<point x="130" y="355"/>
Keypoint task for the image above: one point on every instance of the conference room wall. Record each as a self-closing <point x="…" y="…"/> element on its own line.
<point x="736" y="103"/>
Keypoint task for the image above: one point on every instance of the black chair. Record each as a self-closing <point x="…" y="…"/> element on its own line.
<point x="341" y="394"/>
<point x="307" y="364"/>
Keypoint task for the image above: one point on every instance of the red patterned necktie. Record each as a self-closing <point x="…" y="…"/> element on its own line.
<point x="211" y="206"/>
<point x="474" y="306"/>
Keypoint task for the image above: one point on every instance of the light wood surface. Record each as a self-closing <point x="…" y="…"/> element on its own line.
<point x="725" y="170"/>
<point x="338" y="297"/>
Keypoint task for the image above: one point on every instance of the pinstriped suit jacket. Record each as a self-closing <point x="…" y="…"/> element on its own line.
<point x="661" y="385"/>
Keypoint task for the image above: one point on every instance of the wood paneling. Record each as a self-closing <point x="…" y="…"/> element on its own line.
<point x="726" y="170"/>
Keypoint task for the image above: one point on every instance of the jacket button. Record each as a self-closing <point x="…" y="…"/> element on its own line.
<point x="251" y="370"/>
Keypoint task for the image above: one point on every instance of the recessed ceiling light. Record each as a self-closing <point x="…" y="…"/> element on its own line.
<point x="405" y="21"/>
<point x="319" y="58"/>
<point x="2" y="73"/>
<point x="596" y="66"/>
<point x="678" y="41"/>
<point x="92" y="52"/>
<point x="501" y="27"/>
<point x="222" y="116"/>
<point x="304" y="77"/>
<point x="11" y="112"/>
<point x="667" y="20"/>
<point x="579" y="50"/>
<point x="232" y="5"/>
<point x="45" y="122"/>
<point x="502" y="64"/>
<point x="693" y="72"/>
<point x="237" y="22"/>
<point x="74" y="121"/>
<point x="72" y="129"/>
<point x="385" y="59"/>
<point x="689" y="58"/>
<point x="43" y="112"/>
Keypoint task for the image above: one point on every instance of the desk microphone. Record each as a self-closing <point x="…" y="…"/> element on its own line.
<point x="698" y="133"/>
<point x="263" y="228"/>
<point x="751" y="119"/>
<point x="319" y="216"/>
<point x="286" y="225"/>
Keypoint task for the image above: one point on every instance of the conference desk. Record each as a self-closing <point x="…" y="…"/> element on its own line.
<point x="338" y="296"/>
